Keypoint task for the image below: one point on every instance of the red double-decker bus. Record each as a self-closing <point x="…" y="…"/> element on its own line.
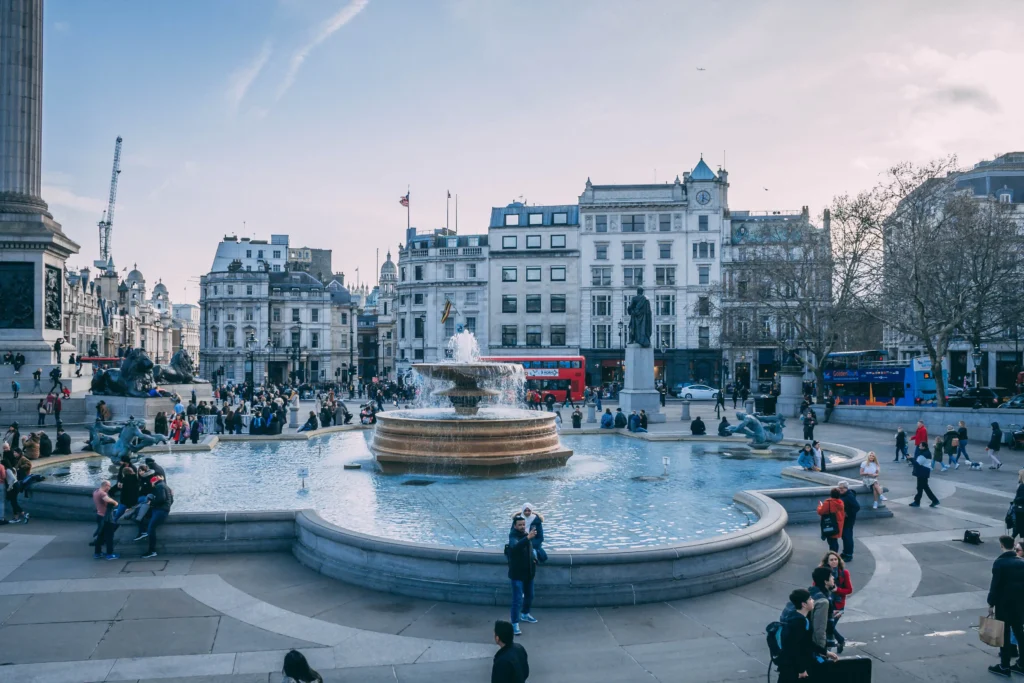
<point x="554" y="375"/>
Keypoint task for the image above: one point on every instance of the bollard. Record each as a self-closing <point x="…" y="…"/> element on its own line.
<point x="748" y="406"/>
<point x="591" y="414"/>
<point x="686" y="411"/>
<point x="293" y="409"/>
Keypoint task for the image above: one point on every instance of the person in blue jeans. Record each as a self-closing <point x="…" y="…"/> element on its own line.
<point x="161" y="501"/>
<point x="522" y="567"/>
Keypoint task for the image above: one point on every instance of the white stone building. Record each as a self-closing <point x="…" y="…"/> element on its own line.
<point x="533" y="281"/>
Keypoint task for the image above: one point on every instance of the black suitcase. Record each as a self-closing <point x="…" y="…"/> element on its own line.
<point x="852" y="670"/>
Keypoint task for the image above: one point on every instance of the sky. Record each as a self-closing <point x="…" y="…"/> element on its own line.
<point x="313" y="117"/>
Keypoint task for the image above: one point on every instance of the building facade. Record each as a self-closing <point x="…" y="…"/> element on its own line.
<point x="434" y="268"/>
<point x="533" y="276"/>
<point x="667" y="239"/>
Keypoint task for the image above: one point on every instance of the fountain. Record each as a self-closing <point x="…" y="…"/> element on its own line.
<point x="468" y="435"/>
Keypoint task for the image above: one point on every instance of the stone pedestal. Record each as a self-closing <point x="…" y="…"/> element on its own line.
<point x="638" y="391"/>
<point x="790" y="392"/>
<point x="591" y="414"/>
<point x="293" y="414"/>
<point x="685" y="415"/>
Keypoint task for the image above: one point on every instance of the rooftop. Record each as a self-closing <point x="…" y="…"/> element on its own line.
<point x="568" y="214"/>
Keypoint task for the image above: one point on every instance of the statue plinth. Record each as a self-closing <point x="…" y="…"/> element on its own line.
<point x="791" y="391"/>
<point x="639" y="392"/>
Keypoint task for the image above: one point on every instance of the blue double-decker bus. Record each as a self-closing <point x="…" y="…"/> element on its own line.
<point x="870" y="378"/>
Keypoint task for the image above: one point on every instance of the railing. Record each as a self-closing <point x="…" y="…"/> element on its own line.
<point x="472" y="251"/>
<point x="448" y="251"/>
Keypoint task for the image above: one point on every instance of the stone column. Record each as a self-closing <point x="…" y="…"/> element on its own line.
<point x="21" y="106"/>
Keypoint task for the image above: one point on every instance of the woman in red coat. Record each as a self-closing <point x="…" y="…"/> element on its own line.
<point x="833" y="505"/>
<point x="844" y="587"/>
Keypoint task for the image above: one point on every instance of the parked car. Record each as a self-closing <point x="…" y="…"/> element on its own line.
<point x="698" y="391"/>
<point x="984" y="397"/>
<point x="1015" y="403"/>
<point x="953" y="390"/>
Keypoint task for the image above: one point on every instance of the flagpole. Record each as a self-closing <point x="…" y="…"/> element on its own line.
<point x="408" y="211"/>
<point x="456" y="213"/>
<point x="447" y="201"/>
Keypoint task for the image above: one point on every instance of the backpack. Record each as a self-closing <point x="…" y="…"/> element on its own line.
<point x="773" y="634"/>
<point x="829" y="525"/>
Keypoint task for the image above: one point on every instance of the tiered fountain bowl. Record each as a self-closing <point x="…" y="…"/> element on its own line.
<point x="467" y="436"/>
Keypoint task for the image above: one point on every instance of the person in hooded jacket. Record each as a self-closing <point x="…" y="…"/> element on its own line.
<point x="723" y="427"/>
<point x="922" y="471"/>
<point x="534" y="522"/>
<point x="994" y="443"/>
<point x="1006" y="600"/>
<point x="800" y="656"/>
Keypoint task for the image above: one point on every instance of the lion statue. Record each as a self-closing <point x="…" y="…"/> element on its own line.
<point x="134" y="377"/>
<point x="181" y="370"/>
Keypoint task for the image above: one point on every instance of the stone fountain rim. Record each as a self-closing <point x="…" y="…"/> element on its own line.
<point x="528" y="416"/>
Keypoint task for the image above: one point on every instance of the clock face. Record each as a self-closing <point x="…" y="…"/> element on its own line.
<point x="703" y="197"/>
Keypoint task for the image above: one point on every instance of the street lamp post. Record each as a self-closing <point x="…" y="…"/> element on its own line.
<point x="250" y="372"/>
<point x="976" y="356"/>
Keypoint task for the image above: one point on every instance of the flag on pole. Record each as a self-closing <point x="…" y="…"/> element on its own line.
<point x="404" y="201"/>
<point x="447" y="310"/>
<point x="449" y="194"/>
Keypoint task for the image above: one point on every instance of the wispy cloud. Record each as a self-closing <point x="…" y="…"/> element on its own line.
<point x="61" y="196"/>
<point x="322" y="33"/>
<point x="243" y="78"/>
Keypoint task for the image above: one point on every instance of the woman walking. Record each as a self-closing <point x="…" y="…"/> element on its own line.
<point x="870" y="471"/>
<point x="937" y="454"/>
<point x="844" y="588"/>
<point x="961" y="447"/>
<point x="832" y="529"/>
<point x="922" y="471"/>
<point x="994" y="443"/>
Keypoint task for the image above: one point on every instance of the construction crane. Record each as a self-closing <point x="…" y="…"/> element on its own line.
<point x="106" y="261"/>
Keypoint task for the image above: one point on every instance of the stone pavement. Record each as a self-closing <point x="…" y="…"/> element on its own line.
<point x="66" y="618"/>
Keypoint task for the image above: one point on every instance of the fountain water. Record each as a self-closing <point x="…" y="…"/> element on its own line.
<point x="480" y="429"/>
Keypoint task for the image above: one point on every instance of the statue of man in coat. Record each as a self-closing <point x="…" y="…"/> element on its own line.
<point x="640" y="317"/>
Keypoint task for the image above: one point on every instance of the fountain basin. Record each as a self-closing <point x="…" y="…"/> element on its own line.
<point x="449" y="439"/>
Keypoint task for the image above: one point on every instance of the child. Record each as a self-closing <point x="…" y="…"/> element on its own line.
<point x="901" y="444"/>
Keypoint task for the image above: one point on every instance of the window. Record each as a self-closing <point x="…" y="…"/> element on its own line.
<point x="533" y="303"/>
<point x="344" y="318"/>
<point x="417" y="299"/>
<point x="665" y="275"/>
<point x="666" y="336"/>
<point x="401" y="328"/>
<point x="509" y="335"/>
<point x="558" y="241"/>
<point x="470" y="270"/>
<point x="509" y="275"/>
<point x="449" y="327"/>
<point x="601" y="277"/>
<point x="473" y="241"/>
<point x="633" y="251"/>
<point x="558" y="303"/>
<point x="248" y="253"/>
<point x="314" y="340"/>
<point x="509" y="241"/>
<point x="560" y="218"/>
<point x="703" y="337"/>
<point x="471" y="298"/>
<point x="664" y="250"/>
<point x="741" y="288"/>
<point x="275" y="340"/>
<point x="231" y="316"/>
<point x="600" y="336"/>
<point x="665" y="222"/>
<point x="533" y="241"/>
<point x="231" y="289"/>
<point x="417" y="354"/>
<point x="633" y="222"/>
<point x="703" y="305"/>
<point x="216" y="316"/>
<point x="451" y="242"/>
<point x="277" y="268"/>
<point x="295" y="315"/>
<point x="214" y="334"/>
<point x="417" y="328"/>
<point x="536" y="219"/>
<point x="600" y="305"/>
<point x="533" y="274"/>
<point x="601" y="252"/>
<point x="471" y="324"/>
<point x="558" y="273"/>
<point x="418" y="273"/>
<point x="533" y="335"/>
<point x="277" y="253"/>
<point x="558" y="335"/>
<point x="248" y="314"/>
<point x="702" y="223"/>
<point x="602" y="223"/>
<point x="512" y="219"/>
<point x="403" y="273"/>
<point x="314" y="315"/>
<point x="229" y="337"/>
<point x="259" y="254"/>
<point x="704" y="250"/>
<point x="703" y="275"/>
<point x="632" y="277"/>
<point x="665" y="304"/>
<point x="248" y="290"/>
<point x="215" y="289"/>
<point x="449" y="271"/>
<point x="509" y="304"/>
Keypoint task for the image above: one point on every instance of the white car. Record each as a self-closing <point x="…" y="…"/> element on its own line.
<point x="699" y="391"/>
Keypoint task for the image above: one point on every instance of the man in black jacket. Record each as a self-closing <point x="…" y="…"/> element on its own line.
<point x="522" y="567"/>
<point x="63" y="446"/>
<point x="1006" y="597"/>
<point x="799" y="658"/>
<point x="510" y="662"/>
<point x="851" y="507"/>
<point x="160" y="507"/>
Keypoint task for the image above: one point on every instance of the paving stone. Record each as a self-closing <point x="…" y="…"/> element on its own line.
<point x="378" y="612"/>
<point x="705" y="660"/>
<point x="227" y="678"/>
<point x="64" y="607"/>
<point x="978" y="574"/>
<point x="373" y="674"/>
<point x="464" y="623"/>
<point x="158" y="637"/>
<point x="909" y="648"/>
<point x="954" y="668"/>
<point x="162" y="604"/>
<point x="235" y="636"/>
<point x="653" y="623"/>
<point x="9" y="604"/>
<point x="55" y="642"/>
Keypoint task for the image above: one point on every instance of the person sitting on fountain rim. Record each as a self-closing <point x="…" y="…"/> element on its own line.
<point x="620" y="418"/>
<point x="723" y="427"/>
<point x="607" y="421"/>
<point x="697" y="427"/>
<point x="534" y="522"/>
<point x="577" y="418"/>
<point x="311" y="423"/>
<point x="633" y="423"/>
<point x="806" y="458"/>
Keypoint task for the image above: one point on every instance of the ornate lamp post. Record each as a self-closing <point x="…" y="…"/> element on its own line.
<point x="976" y="356"/>
<point x="250" y="351"/>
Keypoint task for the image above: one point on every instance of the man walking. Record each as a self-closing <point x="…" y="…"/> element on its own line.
<point x="851" y="507"/>
<point x="922" y="471"/>
<point x="522" y="567"/>
<point x="1006" y="599"/>
<point x="36" y="377"/>
<point x="510" y="662"/>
